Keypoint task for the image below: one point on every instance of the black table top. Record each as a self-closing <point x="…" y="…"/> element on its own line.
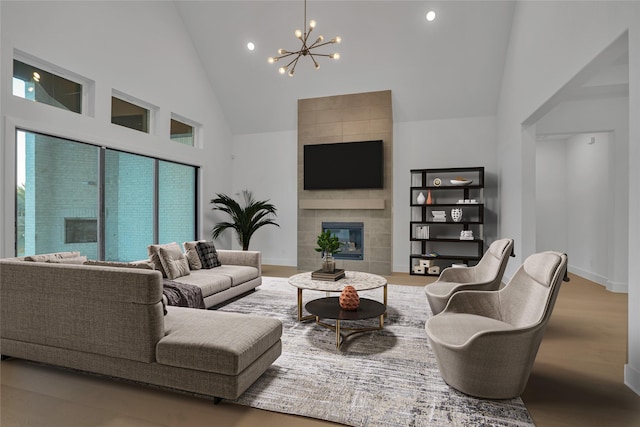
<point x="329" y="308"/>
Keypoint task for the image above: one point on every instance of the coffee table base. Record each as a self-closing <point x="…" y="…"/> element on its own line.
<point x="341" y="337"/>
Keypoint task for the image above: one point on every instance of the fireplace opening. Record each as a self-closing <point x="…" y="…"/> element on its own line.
<point x="351" y="236"/>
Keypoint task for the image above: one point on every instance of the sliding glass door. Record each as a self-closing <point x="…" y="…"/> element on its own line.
<point x="107" y="204"/>
<point x="57" y="195"/>
<point x="129" y="205"/>
<point x="176" y="202"/>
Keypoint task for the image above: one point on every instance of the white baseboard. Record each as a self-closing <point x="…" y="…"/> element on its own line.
<point x="620" y="287"/>
<point x="588" y="275"/>
<point x="402" y="268"/>
<point x="632" y="378"/>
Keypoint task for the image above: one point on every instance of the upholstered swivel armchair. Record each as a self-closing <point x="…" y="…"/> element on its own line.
<point x="485" y="343"/>
<point x="484" y="276"/>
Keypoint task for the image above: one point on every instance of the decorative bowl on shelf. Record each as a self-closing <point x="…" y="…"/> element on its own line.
<point x="461" y="181"/>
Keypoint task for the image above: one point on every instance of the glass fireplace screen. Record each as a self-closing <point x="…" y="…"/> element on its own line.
<point x="351" y="236"/>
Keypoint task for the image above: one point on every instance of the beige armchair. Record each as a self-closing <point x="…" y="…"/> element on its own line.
<point x="485" y="343"/>
<point x="485" y="276"/>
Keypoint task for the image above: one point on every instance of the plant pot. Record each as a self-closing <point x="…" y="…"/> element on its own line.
<point x="328" y="263"/>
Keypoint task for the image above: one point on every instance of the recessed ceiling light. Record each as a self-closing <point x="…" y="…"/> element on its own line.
<point x="431" y="15"/>
<point x="251" y="46"/>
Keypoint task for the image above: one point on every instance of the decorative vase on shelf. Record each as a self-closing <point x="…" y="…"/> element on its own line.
<point x="349" y="299"/>
<point x="456" y="214"/>
<point x="421" y="199"/>
<point x="429" y="199"/>
<point x="328" y="263"/>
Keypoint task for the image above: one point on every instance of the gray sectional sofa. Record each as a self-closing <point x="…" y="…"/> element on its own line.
<point x="109" y="320"/>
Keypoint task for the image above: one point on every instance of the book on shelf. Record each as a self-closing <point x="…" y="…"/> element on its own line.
<point x="337" y="274"/>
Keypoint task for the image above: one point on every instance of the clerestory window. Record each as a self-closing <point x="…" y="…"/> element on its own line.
<point x="37" y="84"/>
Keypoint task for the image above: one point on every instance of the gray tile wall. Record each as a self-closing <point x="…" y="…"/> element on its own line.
<point x="347" y="118"/>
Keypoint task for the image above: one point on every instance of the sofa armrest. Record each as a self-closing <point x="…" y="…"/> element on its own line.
<point x="235" y="257"/>
<point x="480" y="303"/>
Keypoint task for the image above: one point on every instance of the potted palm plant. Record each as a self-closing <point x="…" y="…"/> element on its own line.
<point x="328" y="244"/>
<point x="245" y="219"/>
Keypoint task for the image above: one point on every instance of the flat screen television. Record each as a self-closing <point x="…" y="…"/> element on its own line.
<point x="346" y="165"/>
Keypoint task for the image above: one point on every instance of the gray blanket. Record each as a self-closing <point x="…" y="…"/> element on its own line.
<point x="183" y="295"/>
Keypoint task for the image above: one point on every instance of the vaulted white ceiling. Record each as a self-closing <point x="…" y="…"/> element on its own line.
<point x="451" y="67"/>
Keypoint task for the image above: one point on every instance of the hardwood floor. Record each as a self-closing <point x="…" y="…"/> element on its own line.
<point x="577" y="379"/>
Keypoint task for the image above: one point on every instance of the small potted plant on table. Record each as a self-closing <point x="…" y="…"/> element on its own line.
<point x="328" y="244"/>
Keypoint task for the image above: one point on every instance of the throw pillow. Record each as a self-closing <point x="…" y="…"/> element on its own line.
<point x="173" y="261"/>
<point x="192" y="255"/>
<point x="154" y="256"/>
<point x="208" y="255"/>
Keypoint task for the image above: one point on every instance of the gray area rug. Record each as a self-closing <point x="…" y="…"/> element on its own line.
<point x="383" y="378"/>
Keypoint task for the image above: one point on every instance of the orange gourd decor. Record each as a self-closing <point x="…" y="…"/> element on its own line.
<point x="349" y="299"/>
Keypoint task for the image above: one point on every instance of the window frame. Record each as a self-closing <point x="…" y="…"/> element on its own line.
<point x="101" y="241"/>
<point x="152" y="109"/>
<point x="87" y="105"/>
<point x="197" y="129"/>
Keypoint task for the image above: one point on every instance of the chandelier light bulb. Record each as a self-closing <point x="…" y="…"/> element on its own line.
<point x="281" y="51"/>
<point x="298" y="34"/>
<point x="336" y="40"/>
<point x="282" y="70"/>
<point x="317" y="65"/>
<point x="335" y="56"/>
<point x="320" y="39"/>
<point x="291" y="72"/>
<point x="271" y="60"/>
<point x="312" y="24"/>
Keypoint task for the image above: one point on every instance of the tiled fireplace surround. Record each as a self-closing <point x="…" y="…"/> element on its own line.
<point x="337" y="119"/>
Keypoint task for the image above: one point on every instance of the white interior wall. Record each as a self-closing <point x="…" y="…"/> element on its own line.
<point x="546" y="33"/>
<point x="462" y="142"/>
<point x="5" y="172"/>
<point x="573" y="212"/>
<point x="140" y="49"/>
<point x="266" y="164"/>
<point x="632" y="368"/>
<point x="551" y="196"/>
<point x="587" y="205"/>
<point x="588" y="116"/>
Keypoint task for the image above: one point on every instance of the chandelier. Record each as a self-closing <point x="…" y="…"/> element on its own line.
<point x="306" y="49"/>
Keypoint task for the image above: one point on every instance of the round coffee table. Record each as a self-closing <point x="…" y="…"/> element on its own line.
<point x="359" y="280"/>
<point x="329" y="308"/>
